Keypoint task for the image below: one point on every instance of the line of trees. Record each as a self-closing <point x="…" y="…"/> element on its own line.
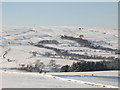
<point x="48" y="42"/>
<point x="86" y="43"/>
<point x="40" y="67"/>
<point x="91" y="66"/>
<point x="74" y="56"/>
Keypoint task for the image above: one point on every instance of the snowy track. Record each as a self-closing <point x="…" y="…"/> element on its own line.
<point x="84" y="82"/>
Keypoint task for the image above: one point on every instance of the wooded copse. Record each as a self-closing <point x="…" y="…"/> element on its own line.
<point x="91" y="66"/>
<point x="40" y="67"/>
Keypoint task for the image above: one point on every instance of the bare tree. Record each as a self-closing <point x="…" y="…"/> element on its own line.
<point x="39" y="65"/>
<point x="53" y="66"/>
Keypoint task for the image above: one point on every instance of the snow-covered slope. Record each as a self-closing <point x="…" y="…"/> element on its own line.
<point x="24" y="34"/>
<point x="16" y="49"/>
<point x="17" y="40"/>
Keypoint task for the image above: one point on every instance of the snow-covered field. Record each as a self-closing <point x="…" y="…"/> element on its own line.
<point x="14" y="43"/>
<point x="20" y="79"/>
<point x="35" y="80"/>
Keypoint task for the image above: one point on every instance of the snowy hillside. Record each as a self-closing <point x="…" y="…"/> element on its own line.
<point x="22" y="35"/>
<point x="17" y="39"/>
<point x="22" y="46"/>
